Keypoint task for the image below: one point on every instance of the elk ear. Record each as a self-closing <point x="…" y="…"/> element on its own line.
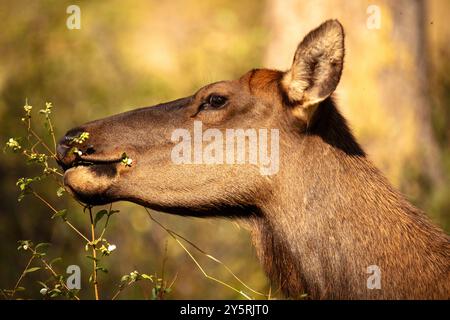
<point x="316" y="69"/>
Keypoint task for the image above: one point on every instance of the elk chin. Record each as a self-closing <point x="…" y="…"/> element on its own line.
<point x="90" y="184"/>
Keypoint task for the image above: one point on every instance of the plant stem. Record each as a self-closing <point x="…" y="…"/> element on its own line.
<point x="163" y="282"/>
<point x="65" y="220"/>
<point x="94" y="255"/>
<point x="43" y="143"/>
<point x="121" y="288"/>
<point x="52" y="133"/>
<point x="49" y="268"/>
<point x="21" y="276"/>
<point x="106" y="223"/>
<point x="175" y="236"/>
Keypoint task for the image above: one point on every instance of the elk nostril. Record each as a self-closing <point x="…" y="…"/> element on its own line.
<point x="66" y="143"/>
<point x="61" y="150"/>
<point x="90" y="149"/>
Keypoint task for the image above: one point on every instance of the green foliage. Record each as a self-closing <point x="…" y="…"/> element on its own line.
<point x="61" y="213"/>
<point x="81" y="138"/>
<point x="13" y="144"/>
<point x="55" y="287"/>
<point x="113" y="64"/>
<point x="98" y="246"/>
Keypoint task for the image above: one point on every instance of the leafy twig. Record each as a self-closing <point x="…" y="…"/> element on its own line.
<point x="58" y="212"/>
<point x="22" y="276"/>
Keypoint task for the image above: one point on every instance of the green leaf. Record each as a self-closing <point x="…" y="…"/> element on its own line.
<point x="60" y="213"/>
<point x="55" y="260"/>
<point x="110" y="213"/>
<point x="39" y="254"/>
<point x="58" y="278"/>
<point x="20" y="289"/>
<point x="154" y="294"/>
<point x="43" y="245"/>
<point x="99" y="216"/>
<point x="55" y="293"/>
<point x="146" y="277"/>
<point x="60" y="191"/>
<point x="125" y="278"/>
<point x="32" y="270"/>
<point x="102" y="269"/>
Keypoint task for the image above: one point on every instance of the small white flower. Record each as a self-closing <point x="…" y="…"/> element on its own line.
<point x="134" y="274"/>
<point x="126" y="160"/>
<point x="43" y="291"/>
<point x="27" y="108"/>
<point x="25" y="247"/>
<point x="78" y="152"/>
<point x="13" y="144"/>
<point x="129" y="162"/>
<point x="112" y="247"/>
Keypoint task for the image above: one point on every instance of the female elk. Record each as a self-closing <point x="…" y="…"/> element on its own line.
<point x="318" y="223"/>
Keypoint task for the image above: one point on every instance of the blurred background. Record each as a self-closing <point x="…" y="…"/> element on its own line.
<point x="394" y="92"/>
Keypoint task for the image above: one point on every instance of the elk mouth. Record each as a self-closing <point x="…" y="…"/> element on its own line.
<point x="81" y="161"/>
<point x="91" y="179"/>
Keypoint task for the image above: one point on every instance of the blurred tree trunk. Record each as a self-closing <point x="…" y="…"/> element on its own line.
<point x="383" y="91"/>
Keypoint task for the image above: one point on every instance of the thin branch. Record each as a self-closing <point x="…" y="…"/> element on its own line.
<point x="121" y="288"/>
<point x="52" y="133"/>
<point x="65" y="220"/>
<point x="163" y="282"/>
<point x="175" y="236"/>
<point x="42" y="142"/>
<point x="94" y="255"/>
<point x="49" y="268"/>
<point x="106" y="223"/>
<point x="21" y="276"/>
<point x="4" y="294"/>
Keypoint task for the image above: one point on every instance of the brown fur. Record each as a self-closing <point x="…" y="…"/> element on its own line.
<point x="326" y="216"/>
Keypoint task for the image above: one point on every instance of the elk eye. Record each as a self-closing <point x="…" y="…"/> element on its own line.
<point x="216" y="101"/>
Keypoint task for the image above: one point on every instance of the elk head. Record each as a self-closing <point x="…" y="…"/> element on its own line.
<point x="260" y="100"/>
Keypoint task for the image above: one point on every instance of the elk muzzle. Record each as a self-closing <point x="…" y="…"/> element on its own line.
<point x="89" y="174"/>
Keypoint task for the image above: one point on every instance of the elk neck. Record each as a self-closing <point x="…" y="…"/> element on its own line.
<point x="332" y="215"/>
